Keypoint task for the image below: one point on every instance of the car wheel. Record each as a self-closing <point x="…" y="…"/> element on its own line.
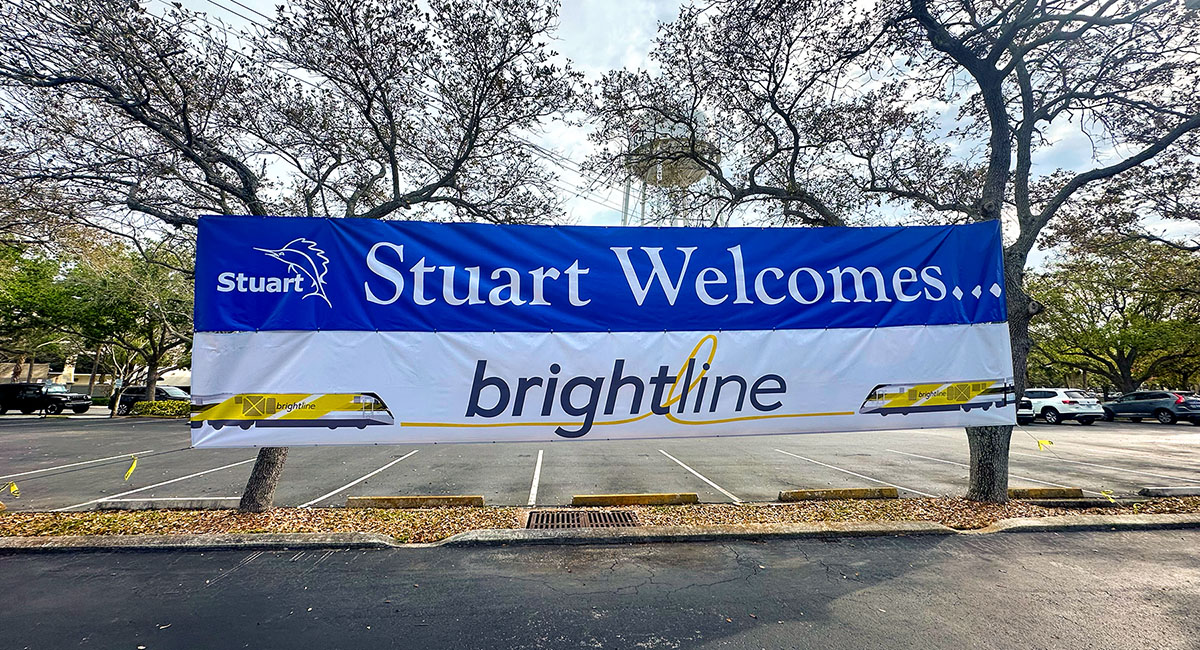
<point x="1052" y="416"/>
<point x="122" y="409"/>
<point x="81" y="409"/>
<point x="1165" y="417"/>
<point x="1109" y="416"/>
<point x="53" y="408"/>
<point x="1086" y="421"/>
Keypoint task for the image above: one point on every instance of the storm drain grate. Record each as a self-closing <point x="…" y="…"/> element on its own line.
<point x="556" y="519"/>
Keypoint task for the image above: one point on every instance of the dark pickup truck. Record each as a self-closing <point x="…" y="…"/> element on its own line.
<point x="53" y="398"/>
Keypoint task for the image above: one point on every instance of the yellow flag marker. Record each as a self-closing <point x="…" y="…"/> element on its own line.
<point x="13" y="489"/>
<point x="132" y="466"/>
<point x="1044" y="444"/>
<point x="1108" y="495"/>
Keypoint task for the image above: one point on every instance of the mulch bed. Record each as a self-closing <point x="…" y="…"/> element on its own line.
<point x="433" y="524"/>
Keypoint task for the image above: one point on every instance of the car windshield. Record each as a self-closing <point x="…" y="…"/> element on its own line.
<point x="1077" y="394"/>
<point x="174" y="392"/>
<point x="55" y="388"/>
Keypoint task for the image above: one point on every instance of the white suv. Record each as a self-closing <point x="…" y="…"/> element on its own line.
<point x="1057" y="404"/>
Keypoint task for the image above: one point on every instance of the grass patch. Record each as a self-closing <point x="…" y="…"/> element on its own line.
<point x="434" y="524"/>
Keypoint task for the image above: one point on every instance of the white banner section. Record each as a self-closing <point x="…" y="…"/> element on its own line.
<point x="254" y="388"/>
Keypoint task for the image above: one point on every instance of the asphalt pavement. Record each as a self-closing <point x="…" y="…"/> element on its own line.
<point x="76" y="463"/>
<point x="1005" y="591"/>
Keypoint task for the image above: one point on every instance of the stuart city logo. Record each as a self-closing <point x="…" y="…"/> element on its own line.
<point x="304" y="260"/>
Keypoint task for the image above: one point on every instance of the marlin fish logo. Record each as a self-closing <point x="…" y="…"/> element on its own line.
<point x="302" y="256"/>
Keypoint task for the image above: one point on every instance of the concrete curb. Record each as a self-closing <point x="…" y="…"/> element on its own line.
<point x="593" y="536"/>
<point x="657" y="534"/>
<point x="252" y="541"/>
<point x="1068" y="523"/>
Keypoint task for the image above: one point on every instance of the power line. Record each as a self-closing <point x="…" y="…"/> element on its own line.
<point x="249" y="8"/>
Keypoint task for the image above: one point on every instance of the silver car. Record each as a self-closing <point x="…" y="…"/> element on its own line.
<point x="1165" y="406"/>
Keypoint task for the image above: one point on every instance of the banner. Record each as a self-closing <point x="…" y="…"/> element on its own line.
<point x="354" y="331"/>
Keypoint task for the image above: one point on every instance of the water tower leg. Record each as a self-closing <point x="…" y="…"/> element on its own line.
<point x="642" y="220"/>
<point x="625" y="205"/>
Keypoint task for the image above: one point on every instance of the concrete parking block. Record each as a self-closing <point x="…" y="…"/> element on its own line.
<point x="1183" y="491"/>
<point x="845" y="493"/>
<point x="430" y="501"/>
<point x="1045" y="493"/>
<point x="170" y="503"/>
<point x="662" y="499"/>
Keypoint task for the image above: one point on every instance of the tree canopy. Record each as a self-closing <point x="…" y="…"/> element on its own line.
<point x="1117" y="314"/>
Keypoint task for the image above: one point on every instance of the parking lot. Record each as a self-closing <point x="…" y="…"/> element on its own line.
<point x="74" y="463"/>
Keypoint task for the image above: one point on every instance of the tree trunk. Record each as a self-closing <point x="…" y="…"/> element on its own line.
<point x="989" y="463"/>
<point x="1126" y="381"/>
<point x="95" y="369"/>
<point x="260" y="489"/>
<point x="989" y="445"/>
<point x="151" y="379"/>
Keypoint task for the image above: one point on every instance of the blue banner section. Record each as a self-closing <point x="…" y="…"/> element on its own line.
<point x="291" y="273"/>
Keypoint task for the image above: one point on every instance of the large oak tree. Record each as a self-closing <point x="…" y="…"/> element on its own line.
<point x="950" y="111"/>
<point x="371" y="108"/>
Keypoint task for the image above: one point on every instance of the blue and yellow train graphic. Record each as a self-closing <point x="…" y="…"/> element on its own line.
<point x="330" y="410"/>
<point x="886" y="399"/>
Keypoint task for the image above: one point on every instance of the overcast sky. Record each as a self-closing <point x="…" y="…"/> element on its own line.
<point x="602" y="35"/>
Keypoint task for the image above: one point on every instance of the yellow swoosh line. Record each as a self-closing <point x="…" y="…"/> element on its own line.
<point x="756" y="417"/>
<point x="671" y="397"/>
<point x="669" y="416"/>
<point x="489" y="425"/>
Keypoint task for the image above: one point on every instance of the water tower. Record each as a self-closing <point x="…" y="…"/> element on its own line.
<point x="646" y="166"/>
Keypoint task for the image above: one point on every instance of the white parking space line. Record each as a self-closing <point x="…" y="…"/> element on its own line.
<point x="82" y="462"/>
<point x="700" y="476"/>
<point x="863" y="476"/>
<point x="356" y="481"/>
<point x="1023" y="478"/>
<point x="151" y="487"/>
<point x="537" y="476"/>
<point x="1115" y="469"/>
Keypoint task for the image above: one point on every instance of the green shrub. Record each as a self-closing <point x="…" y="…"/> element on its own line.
<point x="99" y="401"/>
<point x="174" y="408"/>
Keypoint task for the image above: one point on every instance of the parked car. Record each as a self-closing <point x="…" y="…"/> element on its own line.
<point x="138" y="394"/>
<point x="1054" y="405"/>
<point x="1164" y="406"/>
<point x="53" y="398"/>
<point x="1025" y="414"/>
